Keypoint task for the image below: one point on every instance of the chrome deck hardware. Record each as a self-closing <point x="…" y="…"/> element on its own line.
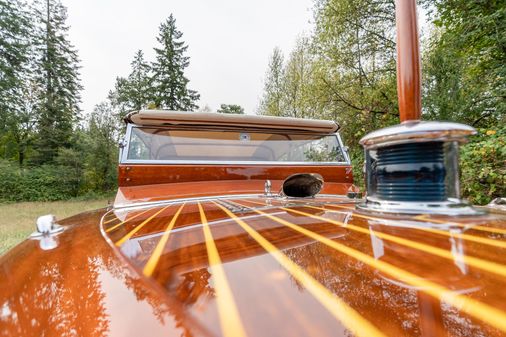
<point x="414" y="168"/>
<point x="46" y="225"/>
<point x="46" y="231"/>
<point x="498" y="204"/>
<point x="267" y="188"/>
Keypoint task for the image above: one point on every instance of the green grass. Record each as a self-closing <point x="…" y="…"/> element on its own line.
<point x="17" y="221"/>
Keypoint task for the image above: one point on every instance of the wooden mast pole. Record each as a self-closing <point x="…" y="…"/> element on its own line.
<point x="408" y="61"/>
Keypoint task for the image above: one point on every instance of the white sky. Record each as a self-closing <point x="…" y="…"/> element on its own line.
<point x="229" y="42"/>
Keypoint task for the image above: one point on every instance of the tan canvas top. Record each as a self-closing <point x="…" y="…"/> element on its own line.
<point x="188" y="118"/>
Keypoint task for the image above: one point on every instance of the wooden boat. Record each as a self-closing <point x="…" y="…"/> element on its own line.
<point x="251" y="226"/>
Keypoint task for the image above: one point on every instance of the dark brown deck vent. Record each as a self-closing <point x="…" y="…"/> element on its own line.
<point x="414" y="168"/>
<point x="302" y="185"/>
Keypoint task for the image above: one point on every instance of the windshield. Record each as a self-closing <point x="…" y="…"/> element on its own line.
<point x="151" y="144"/>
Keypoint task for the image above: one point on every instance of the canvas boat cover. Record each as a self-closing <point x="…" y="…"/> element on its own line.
<point x="188" y="118"/>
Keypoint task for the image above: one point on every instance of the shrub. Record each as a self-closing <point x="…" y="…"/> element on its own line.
<point x="44" y="183"/>
<point x="483" y="166"/>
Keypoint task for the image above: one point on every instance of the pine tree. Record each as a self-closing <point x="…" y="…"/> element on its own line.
<point x="170" y="83"/>
<point x="17" y="88"/>
<point x="14" y="45"/>
<point x="136" y="91"/>
<point x="57" y="73"/>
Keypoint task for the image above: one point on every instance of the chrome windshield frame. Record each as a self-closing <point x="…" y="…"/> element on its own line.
<point x="124" y="156"/>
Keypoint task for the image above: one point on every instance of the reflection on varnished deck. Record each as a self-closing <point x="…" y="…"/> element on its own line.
<point x="269" y="267"/>
<point x="83" y="290"/>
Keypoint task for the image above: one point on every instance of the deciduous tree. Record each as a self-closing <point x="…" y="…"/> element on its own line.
<point x="465" y="62"/>
<point x="270" y="103"/>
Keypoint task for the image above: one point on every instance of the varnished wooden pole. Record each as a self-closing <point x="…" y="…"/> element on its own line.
<point x="408" y="61"/>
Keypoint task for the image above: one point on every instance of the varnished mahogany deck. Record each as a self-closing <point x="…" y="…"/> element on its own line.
<point x="275" y="267"/>
<point x="259" y="267"/>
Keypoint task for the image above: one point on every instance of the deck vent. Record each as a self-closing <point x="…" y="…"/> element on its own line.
<point x="413" y="168"/>
<point x="302" y="185"/>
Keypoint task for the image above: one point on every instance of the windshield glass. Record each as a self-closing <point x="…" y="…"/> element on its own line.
<point x="217" y="146"/>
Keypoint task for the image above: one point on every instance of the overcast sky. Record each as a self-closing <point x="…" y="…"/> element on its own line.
<point x="229" y="42"/>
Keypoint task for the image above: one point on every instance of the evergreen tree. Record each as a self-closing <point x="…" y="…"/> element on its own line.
<point x="136" y="91"/>
<point x="57" y="73"/>
<point x="15" y="127"/>
<point x="13" y="55"/>
<point x="171" y="91"/>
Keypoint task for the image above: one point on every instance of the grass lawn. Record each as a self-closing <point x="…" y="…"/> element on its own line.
<point x="17" y="221"/>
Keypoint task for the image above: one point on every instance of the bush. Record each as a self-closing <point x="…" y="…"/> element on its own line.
<point x="44" y="183"/>
<point x="483" y="166"/>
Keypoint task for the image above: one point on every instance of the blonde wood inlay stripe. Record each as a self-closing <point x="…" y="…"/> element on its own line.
<point x="230" y="321"/>
<point x="484" y="312"/>
<point x="494" y="230"/>
<point x="468" y="237"/>
<point x="488" y="266"/>
<point x="425" y="218"/>
<point x="155" y="256"/>
<point x="127" y="220"/>
<point x="110" y="220"/>
<point x="350" y="318"/>
<point x="136" y="229"/>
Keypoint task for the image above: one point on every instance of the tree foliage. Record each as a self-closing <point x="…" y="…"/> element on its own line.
<point x="345" y="71"/>
<point x="465" y="64"/>
<point x="56" y="66"/>
<point x="101" y="151"/>
<point x="14" y="47"/>
<point x="48" y="150"/>
<point x="355" y="47"/>
<point x="230" y="109"/>
<point x="170" y="83"/>
<point x="136" y="91"/>
<point x="159" y="84"/>
<point x="16" y="81"/>
<point x="273" y="90"/>
<point x="483" y="165"/>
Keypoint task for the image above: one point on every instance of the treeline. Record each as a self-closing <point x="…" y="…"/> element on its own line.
<point x="49" y="148"/>
<point x="346" y="71"/>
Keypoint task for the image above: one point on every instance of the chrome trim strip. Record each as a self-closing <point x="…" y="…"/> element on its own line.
<point x="210" y="162"/>
<point x="343" y="148"/>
